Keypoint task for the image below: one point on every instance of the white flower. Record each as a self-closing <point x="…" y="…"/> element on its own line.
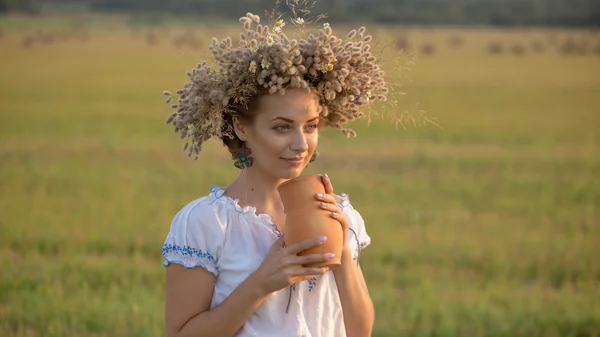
<point x="279" y="23"/>
<point x="326" y="25"/>
<point x="333" y="59"/>
<point x="277" y="30"/>
<point x="252" y="67"/>
<point x="300" y="21"/>
<point x="265" y="64"/>
<point x="255" y="48"/>
<point x="270" y="41"/>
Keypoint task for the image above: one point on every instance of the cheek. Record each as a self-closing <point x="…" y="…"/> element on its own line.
<point x="313" y="141"/>
<point x="272" y="144"/>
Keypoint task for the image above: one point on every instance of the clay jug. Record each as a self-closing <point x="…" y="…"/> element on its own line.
<point x="306" y="220"/>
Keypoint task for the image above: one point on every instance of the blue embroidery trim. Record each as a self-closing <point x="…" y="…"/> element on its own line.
<point x="188" y="251"/>
<point x="358" y="247"/>
<point x="292" y="288"/>
<point x="311" y="283"/>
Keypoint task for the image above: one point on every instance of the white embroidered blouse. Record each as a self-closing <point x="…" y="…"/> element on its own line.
<point x="216" y="233"/>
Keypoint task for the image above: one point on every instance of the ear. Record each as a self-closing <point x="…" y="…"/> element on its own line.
<point x="240" y="130"/>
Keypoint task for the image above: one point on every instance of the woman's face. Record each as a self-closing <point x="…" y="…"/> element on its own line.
<point x="284" y="133"/>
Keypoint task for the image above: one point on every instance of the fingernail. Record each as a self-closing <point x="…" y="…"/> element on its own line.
<point x="330" y="256"/>
<point x="319" y="195"/>
<point x="334" y="214"/>
<point x="323" y="238"/>
<point x="322" y="204"/>
<point x="326" y="176"/>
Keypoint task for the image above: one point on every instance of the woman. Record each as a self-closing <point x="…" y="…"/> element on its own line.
<point x="229" y="272"/>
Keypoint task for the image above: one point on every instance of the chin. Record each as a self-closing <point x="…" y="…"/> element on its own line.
<point x="288" y="173"/>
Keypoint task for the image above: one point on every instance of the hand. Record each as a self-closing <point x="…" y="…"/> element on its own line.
<point x="282" y="266"/>
<point x="329" y="202"/>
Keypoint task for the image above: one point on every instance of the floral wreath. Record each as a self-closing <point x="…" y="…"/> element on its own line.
<point x="344" y="74"/>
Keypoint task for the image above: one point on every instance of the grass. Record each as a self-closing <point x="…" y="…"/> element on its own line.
<point x="487" y="226"/>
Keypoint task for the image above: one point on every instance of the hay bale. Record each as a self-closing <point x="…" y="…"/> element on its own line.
<point x="455" y="41"/>
<point x="151" y="39"/>
<point x="537" y="46"/>
<point x="27" y="41"/>
<point x="572" y="47"/>
<point x="403" y="44"/>
<point x="187" y="39"/>
<point x="517" y="50"/>
<point x="427" y="49"/>
<point x="495" y="48"/>
<point x="553" y="38"/>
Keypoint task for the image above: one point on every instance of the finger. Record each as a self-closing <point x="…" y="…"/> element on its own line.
<point x="330" y="207"/>
<point x="327" y="183"/>
<point x="309" y="271"/>
<point x="314" y="258"/>
<point x="341" y="218"/>
<point x="303" y="245"/>
<point x="330" y="198"/>
<point x="315" y="271"/>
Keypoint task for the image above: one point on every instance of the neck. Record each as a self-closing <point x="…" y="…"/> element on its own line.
<point x="254" y="187"/>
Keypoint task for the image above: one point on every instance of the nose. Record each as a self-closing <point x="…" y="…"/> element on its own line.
<point x="298" y="142"/>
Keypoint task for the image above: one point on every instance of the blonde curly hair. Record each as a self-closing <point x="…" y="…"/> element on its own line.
<point x="343" y="74"/>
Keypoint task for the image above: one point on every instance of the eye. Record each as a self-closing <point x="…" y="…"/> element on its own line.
<point x="281" y="127"/>
<point x="311" y="128"/>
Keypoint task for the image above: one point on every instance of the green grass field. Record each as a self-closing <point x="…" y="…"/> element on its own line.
<point x="488" y="226"/>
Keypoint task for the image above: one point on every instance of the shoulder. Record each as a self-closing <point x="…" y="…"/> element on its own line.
<point x="212" y="210"/>
<point x="356" y="222"/>
<point x="197" y="233"/>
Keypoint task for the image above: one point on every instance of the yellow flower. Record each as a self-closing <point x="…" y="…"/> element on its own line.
<point x="279" y="23"/>
<point x="252" y="67"/>
<point x="277" y="30"/>
<point x="265" y="64"/>
<point x="270" y="41"/>
<point x="333" y="59"/>
<point x="325" y="67"/>
<point x="369" y="94"/>
<point x="255" y="48"/>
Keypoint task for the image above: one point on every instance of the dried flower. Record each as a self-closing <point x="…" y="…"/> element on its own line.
<point x="345" y="74"/>
<point x="270" y="41"/>
<point x="265" y="64"/>
<point x="280" y="24"/>
<point x="326" y="67"/>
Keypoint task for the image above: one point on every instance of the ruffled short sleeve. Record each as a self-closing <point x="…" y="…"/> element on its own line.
<point x="357" y="236"/>
<point x="195" y="238"/>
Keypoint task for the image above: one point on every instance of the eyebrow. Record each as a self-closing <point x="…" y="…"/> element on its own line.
<point x="291" y="121"/>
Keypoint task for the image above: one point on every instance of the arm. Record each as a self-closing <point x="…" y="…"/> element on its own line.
<point x="359" y="313"/>
<point x="190" y="291"/>
<point x="188" y="296"/>
<point x="358" y="309"/>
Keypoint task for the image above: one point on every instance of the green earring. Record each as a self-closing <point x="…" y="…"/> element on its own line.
<point x="242" y="158"/>
<point x="314" y="157"/>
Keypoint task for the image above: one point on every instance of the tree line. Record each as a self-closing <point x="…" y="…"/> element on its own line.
<point x="574" y="13"/>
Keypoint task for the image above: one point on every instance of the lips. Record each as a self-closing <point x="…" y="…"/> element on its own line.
<point x="294" y="161"/>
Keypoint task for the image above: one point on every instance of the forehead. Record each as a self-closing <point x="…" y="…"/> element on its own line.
<point x="294" y="104"/>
